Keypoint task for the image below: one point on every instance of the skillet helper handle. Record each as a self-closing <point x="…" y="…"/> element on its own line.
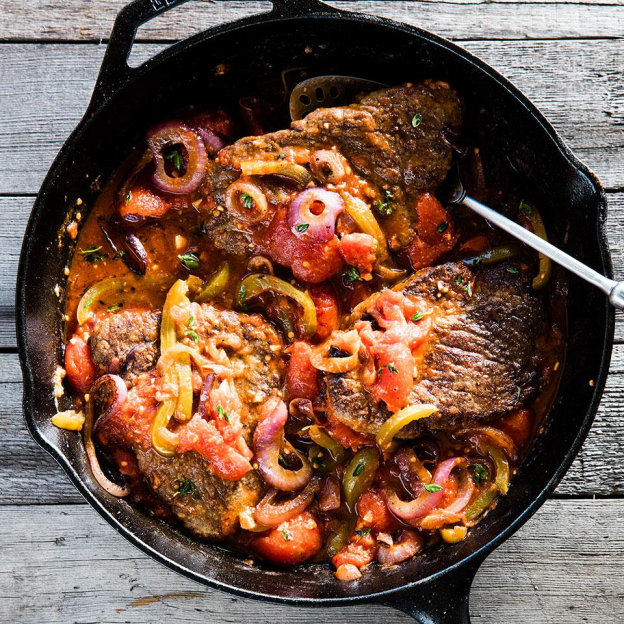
<point x="289" y="8"/>
<point x="115" y="70"/>
<point x="441" y="601"/>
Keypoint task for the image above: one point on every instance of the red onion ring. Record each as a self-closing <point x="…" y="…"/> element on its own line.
<point x="495" y="435"/>
<point x="327" y="166"/>
<point x="408" y="545"/>
<point x="120" y="393"/>
<point x="268" y="441"/>
<point x="270" y="515"/>
<point x="427" y="501"/>
<point x="135" y="258"/>
<point x="320" y="227"/>
<point x="213" y="142"/>
<point x="174" y="133"/>
<point x="464" y="496"/>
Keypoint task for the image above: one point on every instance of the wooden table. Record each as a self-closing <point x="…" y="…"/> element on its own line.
<point x="61" y="563"/>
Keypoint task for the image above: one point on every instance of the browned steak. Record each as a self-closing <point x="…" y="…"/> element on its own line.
<point x="392" y="138"/>
<point x="479" y="360"/>
<point x="211" y="510"/>
<point x="250" y="347"/>
<point x="126" y="342"/>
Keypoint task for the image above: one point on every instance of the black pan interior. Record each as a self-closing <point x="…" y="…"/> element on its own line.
<point x="570" y="199"/>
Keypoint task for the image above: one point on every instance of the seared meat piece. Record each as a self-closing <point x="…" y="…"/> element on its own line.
<point x="210" y="510"/>
<point x="247" y="346"/>
<point x="477" y="363"/>
<point x="125" y="343"/>
<point x="393" y="139"/>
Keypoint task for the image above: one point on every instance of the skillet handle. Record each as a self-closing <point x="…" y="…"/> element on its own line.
<point x="115" y="70"/>
<point x="441" y="601"/>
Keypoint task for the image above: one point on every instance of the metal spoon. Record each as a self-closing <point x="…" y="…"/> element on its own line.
<point x="327" y="91"/>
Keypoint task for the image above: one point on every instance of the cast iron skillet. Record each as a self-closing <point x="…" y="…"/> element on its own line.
<point x="433" y="588"/>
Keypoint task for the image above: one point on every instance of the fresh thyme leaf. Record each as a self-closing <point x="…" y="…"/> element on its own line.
<point x="419" y="316"/>
<point x="433" y="487"/>
<point x="248" y="201"/>
<point x="416" y="119"/>
<point x="114" y="308"/>
<point x="176" y="158"/>
<point x="120" y="254"/>
<point x="223" y="414"/>
<point x="192" y="335"/>
<point x="281" y="156"/>
<point x="468" y="288"/>
<point x="391" y="368"/>
<point x="191" y="321"/>
<point x="384" y="207"/>
<point x="513" y="270"/>
<point x="518" y="396"/>
<point x="524" y="208"/>
<point x="442" y="227"/>
<point x="362" y="532"/>
<point x="243" y="292"/>
<point x="358" y="470"/>
<point x="481" y="474"/>
<point x="187" y="487"/>
<point x="459" y="279"/>
<point x="352" y="275"/>
<point x="281" y="461"/>
<point x="128" y="198"/>
<point x="189" y="260"/>
<point x="92" y="254"/>
<point x="285" y="535"/>
<point x="302" y="227"/>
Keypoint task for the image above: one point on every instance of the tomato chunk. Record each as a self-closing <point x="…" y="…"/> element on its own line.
<point x="373" y="512"/>
<point x="435" y="233"/>
<point x="360" y="551"/>
<point x="309" y="262"/>
<point x="302" y="377"/>
<point x="292" y="542"/>
<point x="359" y="250"/>
<point x="80" y="368"/>
<point x="327" y="311"/>
<point x="144" y="202"/>
<point x="518" y="426"/>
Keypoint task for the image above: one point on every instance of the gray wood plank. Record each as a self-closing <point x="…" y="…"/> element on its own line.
<point x="44" y="90"/>
<point x="29" y="476"/>
<point x="64" y="564"/>
<point x="87" y="21"/>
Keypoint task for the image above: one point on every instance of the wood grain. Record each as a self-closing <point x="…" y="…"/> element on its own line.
<point x="77" y="569"/>
<point x="56" y="20"/>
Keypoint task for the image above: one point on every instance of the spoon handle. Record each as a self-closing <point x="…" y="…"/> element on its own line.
<point x="615" y="290"/>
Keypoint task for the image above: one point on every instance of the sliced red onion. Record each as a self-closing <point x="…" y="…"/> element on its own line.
<point x="427" y="501"/>
<point x="119" y="393"/>
<point x="408" y="545"/>
<point x="205" y="395"/>
<point x="246" y="201"/>
<point x="271" y="515"/>
<point x="463" y="497"/>
<point x="213" y="142"/>
<point x="494" y="435"/>
<point x="135" y="258"/>
<point x="316" y="228"/>
<point x="170" y="134"/>
<point x="268" y="442"/>
<point x="327" y="166"/>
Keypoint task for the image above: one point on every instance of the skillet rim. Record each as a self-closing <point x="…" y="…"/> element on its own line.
<point x="475" y="558"/>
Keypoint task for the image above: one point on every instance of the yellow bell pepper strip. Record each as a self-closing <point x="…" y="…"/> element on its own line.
<point x="258" y="283"/>
<point x="281" y="168"/>
<point x="402" y="418"/>
<point x="481" y="504"/>
<point x="359" y="475"/>
<point x="215" y="285"/>
<point x="494" y="255"/>
<point x="545" y="263"/>
<point x="453" y="535"/>
<point x="323" y="439"/>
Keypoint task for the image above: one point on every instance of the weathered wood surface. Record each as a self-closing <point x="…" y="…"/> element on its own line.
<point x="54" y="20"/>
<point x="45" y="88"/>
<point x="75" y="568"/>
<point x="564" y="566"/>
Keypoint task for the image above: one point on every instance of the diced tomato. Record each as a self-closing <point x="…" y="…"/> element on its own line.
<point x="226" y="408"/>
<point x="203" y="437"/>
<point x="435" y="233"/>
<point x="518" y="426"/>
<point x="346" y="436"/>
<point x="396" y="377"/>
<point x="360" y="551"/>
<point x="327" y="311"/>
<point x="302" y="377"/>
<point x="373" y="512"/>
<point x="292" y="542"/>
<point x="144" y="202"/>
<point x="309" y="262"/>
<point x="80" y="368"/>
<point x="473" y="246"/>
<point x="359" y="250"/>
